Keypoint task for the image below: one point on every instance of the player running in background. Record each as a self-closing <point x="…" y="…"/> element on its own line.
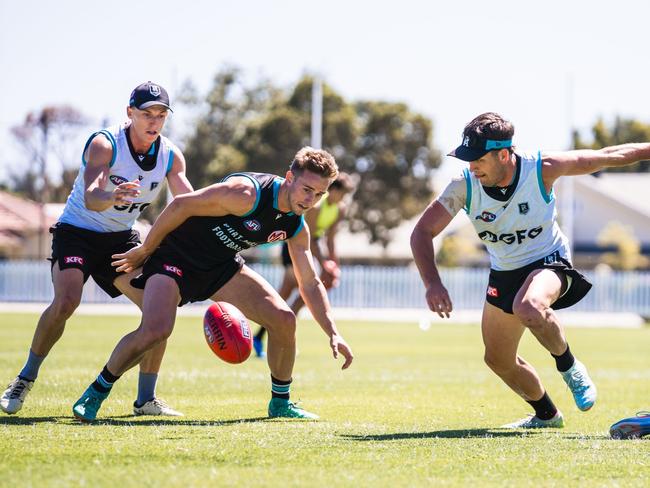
<point x="122" y="172"/>
<point x="323" y="221"/>
<point x="509" y="199"/>
<point x="194" y="248"/>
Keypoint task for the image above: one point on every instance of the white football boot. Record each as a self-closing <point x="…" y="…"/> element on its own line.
<point x="14" y="396"/>
<point x="156" y="407"/>
<point x="533" y="422"/>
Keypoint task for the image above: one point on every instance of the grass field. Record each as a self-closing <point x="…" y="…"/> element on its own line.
<point x="417" y="408"/>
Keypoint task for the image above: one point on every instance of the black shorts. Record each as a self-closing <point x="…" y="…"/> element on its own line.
<point x="89" y="251"/>
<point x="503" y="286"/>
<point x="286" y="257"/>
<point x="195" y="284"/>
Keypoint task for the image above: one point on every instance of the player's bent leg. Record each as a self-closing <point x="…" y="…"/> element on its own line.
<point x="258" y="301"/>
<point x="68" y="286"/>
<point x="501" y="335"/>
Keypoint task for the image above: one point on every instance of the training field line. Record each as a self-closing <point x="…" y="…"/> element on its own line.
<point x="421" y="316"/>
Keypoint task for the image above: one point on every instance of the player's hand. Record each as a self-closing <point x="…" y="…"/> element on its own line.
<point x="339" y="346"/>
<point x="330" y="274"/>
<point x="438" y="300"/>
<point x="130" y="260"/>
<point x="124" y="193"/>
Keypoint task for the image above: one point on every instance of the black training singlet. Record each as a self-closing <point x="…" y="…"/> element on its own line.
<point x="206" y="242"/>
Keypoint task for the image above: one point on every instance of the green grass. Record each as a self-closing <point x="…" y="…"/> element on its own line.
<point x="415" y="409"/>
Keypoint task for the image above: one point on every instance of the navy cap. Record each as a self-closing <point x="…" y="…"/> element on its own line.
<point x="475" y="147"/>
<point x="147" y="95"/>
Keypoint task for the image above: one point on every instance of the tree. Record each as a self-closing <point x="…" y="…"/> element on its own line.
<point x="260" y="128"/>
<point x="623" y="131"/>
<point x="45" y="136"/>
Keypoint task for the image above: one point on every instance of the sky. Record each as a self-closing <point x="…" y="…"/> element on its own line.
<point x="547" y="66"/>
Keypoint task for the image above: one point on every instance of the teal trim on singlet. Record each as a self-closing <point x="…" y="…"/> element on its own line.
<point x="152" y="149"/>
<point x="277" y="182"/>
<point x="257" y="190"/>
<point x="468" y="184"/>
<point x="110" y="138"/>
<point x="170" y="162"/>
<point x="548" y="197"/>
<point x="302" y="224"/>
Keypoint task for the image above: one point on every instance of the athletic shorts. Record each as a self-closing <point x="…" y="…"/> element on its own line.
<point x="286" y="257"/>
<point x="89" y="251"/>
<point x="195" y="284"/>
<point x="503" y="286"/>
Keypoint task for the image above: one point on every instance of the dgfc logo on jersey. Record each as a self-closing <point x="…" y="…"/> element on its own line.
<point x="252" y="225"/>
<point x="278" y="235"/>
<point x="524" y="208"/>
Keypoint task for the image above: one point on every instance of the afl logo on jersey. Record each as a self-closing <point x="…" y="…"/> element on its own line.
<point x="117" y="180"/>
<point x="486" y="217"/>
<point x="252" y="225"/>
<point x="278" y="235"/>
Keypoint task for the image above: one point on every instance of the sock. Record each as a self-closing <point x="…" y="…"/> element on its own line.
<point x="33" y="364"/>
<point x="564" y="361"/>
<point x="260" y="334"/>
<point x="544" y="407"/>
<point x="279" y="388"/>
<point x="105" y="380"/>
<point x="146" y="388"/>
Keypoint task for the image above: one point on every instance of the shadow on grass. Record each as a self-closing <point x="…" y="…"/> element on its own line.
<point x="128" y="421"/>
<point x="462" y="434"/>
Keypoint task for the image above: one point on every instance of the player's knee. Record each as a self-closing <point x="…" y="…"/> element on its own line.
<point x="530" y="312"/>
<point x="65" y="305"/>
<point x="154" y="335"/>
<point x="283" y="323"/>
<point x="497" y="363"/>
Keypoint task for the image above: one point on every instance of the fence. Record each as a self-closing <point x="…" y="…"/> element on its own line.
<point x="364" y="287"/>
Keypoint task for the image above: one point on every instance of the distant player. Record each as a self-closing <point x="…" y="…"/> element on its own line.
<point x="123" y="169"/>
<point x="323" y="221"/>
<point x="508" y="196"/>
<point x="194" y="248"/>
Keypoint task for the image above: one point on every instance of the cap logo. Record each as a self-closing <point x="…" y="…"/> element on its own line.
<point x="466" y="141"/>
<point x="154" y="90"/>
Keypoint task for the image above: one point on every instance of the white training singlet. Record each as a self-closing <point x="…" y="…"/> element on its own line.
<point x="516" y="232"/>
<point x="123" y="168"/>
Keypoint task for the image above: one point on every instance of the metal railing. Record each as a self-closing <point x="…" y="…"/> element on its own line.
<point x="364" y="287"/>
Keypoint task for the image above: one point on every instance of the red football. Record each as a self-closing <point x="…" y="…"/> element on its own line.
<point x="227" y="332"/>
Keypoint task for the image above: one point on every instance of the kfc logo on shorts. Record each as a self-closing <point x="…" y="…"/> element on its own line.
<point x="173" y="269"/>
<point x="73" y="260"/>
<point x="492" y="292"/>
<point x="252" y="225"/>
<point x="278" y="235"/>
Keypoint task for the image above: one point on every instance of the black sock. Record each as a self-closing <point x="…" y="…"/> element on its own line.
<point x="544" y="408"/>
<point x="279" y="388"/>
<point x="260" y="334"/>
<point x="105" y="380"/>
<point x="564" y="361"/>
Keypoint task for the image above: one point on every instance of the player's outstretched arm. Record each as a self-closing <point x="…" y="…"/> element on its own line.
<point x="587" y="161"/>
<point x="235" y="196"/>
<point x="434" y="219"/>
<point x="314" y="294"/>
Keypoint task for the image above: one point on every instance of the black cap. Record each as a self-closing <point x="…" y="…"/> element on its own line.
<point x="147" y="95"/>
<point x="475" y="147"/>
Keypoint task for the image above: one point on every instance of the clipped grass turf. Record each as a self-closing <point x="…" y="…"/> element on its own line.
<point x="417" y="408"/>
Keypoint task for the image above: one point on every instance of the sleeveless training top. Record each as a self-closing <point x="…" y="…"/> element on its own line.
<point x="328" y="214"/>
<point x="207" y="242"/>
<point x="123" y="168"/>
<point x="521" y="230"/>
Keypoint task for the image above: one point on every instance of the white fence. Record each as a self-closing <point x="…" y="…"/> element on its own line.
<point x="365" y="287"/>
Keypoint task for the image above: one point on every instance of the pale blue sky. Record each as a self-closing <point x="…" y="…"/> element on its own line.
<point x="448" y="60"/>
